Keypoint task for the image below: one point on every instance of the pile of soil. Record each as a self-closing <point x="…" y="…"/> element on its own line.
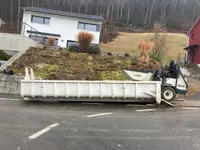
<point x="64" y="65"/>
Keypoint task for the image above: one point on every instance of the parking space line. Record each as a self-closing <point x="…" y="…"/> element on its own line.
<point x="101" y="114"/>
<point x="39" y="133"/>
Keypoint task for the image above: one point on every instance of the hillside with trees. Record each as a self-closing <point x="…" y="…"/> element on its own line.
<point x="176" y="15"/>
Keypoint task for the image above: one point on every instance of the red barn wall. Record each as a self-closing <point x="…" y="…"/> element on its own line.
<point x="194" y="38"/>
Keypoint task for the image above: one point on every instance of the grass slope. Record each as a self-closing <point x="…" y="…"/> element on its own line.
<point x="128" y="43"/>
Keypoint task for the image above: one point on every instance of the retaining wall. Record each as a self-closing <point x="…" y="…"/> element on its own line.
<point x="10" y="84"/>
<point x="16" y="42"/>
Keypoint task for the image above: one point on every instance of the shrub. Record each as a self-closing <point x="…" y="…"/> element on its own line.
<point x="126" y="55"/>
<point x="94" y="50"/>
<point x="74" y="48"/>
<point x="109" y="54"/>
<point x="51" y="41"/>
<point x="108" y="36"/>
<point x="159" y="40"/>
<point x="84" y="40"/>
<point x="145" y="47"/>
<point x="61" y="48"/>
<point x="160" y="47"/>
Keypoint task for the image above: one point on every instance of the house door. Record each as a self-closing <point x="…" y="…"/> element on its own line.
<point x="193" y="55"/>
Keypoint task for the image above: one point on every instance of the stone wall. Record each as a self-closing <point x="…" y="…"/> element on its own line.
<point x="10" y="84"/>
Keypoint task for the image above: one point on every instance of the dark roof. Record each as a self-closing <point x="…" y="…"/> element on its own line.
<point x="193" y="25"/>
<point x="192" y="47"/>
<point x="63" y="13"/>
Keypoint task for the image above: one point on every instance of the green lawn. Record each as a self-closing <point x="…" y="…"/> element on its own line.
<point x="128" y="43"/>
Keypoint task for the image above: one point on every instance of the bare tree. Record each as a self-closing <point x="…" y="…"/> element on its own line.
<point x="32" y="3"/>
<point x="18" y="17"/>
<point x="80" y="6"/>
<point x="71" y="6"/>
<point x="146" y="14"/>
<point x="152" y="7"/>
<point x="129" y="12"/>
<point x="11" y="11"/>
<point x="140" y="13"/>
<point x="108" y="11"/>
<point x="122" y="9"/>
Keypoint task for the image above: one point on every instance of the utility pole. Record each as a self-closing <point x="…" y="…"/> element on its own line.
<point x="18" y="23"/>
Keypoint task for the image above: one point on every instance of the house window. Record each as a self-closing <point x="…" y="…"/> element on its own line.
<point x="43" y="40"/>
<point x="89" y="27"/>
<point x="192" y="36"/>
<point x="39" y="39"/>
<point x="70" y="43"/>
<point x="40" y="20"/>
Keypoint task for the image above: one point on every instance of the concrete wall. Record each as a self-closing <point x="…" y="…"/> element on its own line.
<point x="10" y="84"/>
<point x="64" y="26"/>
<point x="16" y="42"/>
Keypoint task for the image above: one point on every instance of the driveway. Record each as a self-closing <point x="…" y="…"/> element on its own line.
<point x="76" y="126"/>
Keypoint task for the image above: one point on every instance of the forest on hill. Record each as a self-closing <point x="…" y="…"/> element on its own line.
<point x="177" y="15"/>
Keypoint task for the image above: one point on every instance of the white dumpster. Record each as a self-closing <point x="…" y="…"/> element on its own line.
<point x="114" y="90"/>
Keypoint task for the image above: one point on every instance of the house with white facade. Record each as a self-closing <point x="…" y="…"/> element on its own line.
<point x="41" y="24"/>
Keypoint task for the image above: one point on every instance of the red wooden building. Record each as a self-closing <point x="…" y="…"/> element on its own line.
<point x="193" y="50"/>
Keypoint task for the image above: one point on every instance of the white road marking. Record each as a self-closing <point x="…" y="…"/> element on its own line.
<point x="9" y="99"/>
<point x="97" y="130"/>
<point x="39" y="133"/>
<point x="92" y="103"/>
<point x="191" y="108"/>
<point x="18" y="148"/>
<point x="119" y="145"/>
<point x="134" y="105"/>
<point x="146" y="138"/>
<point x="74" y="130"/>
<point x="101" y="114"/>
<point x="145" y="110"/>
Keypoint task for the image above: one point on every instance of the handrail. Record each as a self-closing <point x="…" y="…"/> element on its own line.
<point x="30" y="26"/>
<point x="33" y="29"/>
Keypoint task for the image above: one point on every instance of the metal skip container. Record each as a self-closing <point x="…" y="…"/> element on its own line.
<point x="116" y="91"/>
<point x="73" y="90"/>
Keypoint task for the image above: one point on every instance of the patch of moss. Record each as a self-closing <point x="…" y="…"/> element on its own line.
<point x="44" y="70"/>
<point x="127" y="63"/>
<point x="112" y="75"/>
<point x="41" y="73"/>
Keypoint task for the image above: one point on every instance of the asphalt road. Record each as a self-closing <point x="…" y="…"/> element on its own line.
<point x="75" y="126"/>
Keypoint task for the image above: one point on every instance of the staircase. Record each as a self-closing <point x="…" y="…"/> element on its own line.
<point x="11" y="60"/>
<point x="15" y="43"/>
<point x="18" y="43"/>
